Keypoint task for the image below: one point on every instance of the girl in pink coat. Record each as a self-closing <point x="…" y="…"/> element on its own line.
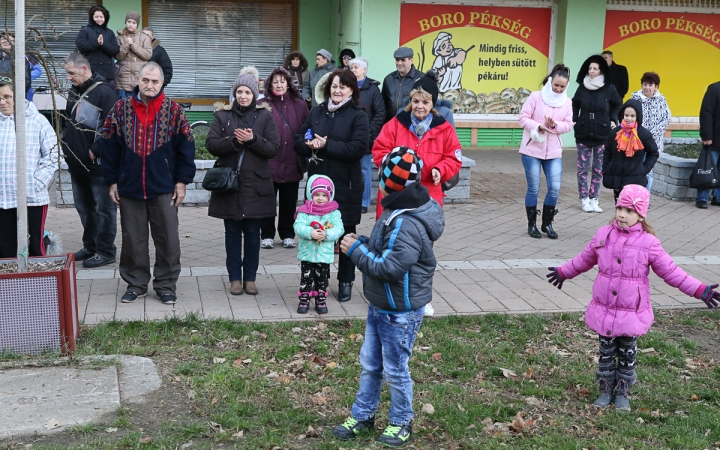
<point x="620" y="309"/>
<point x="546" y="115"/>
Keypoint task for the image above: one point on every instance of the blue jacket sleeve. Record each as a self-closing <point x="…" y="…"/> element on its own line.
<point x="400" y="253"/>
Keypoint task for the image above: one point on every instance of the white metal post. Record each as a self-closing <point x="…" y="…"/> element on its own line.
<point x="22" y="228"/>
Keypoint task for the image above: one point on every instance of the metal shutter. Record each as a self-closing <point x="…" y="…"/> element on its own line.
<point x="64" y="20"/>
<point x="209" y="42"/>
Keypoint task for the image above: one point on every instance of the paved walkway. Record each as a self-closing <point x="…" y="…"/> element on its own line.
<point x="486" y="260"/>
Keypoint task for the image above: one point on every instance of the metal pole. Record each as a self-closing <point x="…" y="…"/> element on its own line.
<point x="22" y="227"/>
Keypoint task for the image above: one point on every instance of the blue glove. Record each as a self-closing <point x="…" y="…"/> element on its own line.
<point x="555" y="278"/>
<point x="711" y="297"/>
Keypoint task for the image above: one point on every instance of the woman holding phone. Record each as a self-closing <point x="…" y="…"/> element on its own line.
<point x="546" y="115"/>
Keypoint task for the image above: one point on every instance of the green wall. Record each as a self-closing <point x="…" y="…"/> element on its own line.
<point x="314" y="16"/>
<point x="380" y="35"/>
<point x="118" y="9"/>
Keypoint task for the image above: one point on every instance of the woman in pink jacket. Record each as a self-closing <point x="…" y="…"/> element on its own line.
<point x="620" y="309"/>
<point x="546" y="115"/>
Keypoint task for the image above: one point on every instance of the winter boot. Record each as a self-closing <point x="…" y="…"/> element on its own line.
<point x="547" y="218"/>
<point x="304" y="305"/>
<point x="532" y="214"/>
<point x="320" y="305"/>
<point x="622" y="390"/>
<point x="606" y="385"/>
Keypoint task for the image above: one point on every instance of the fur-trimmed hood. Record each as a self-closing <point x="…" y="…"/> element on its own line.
<point x="155" y="43"/>
<point x="295" y="54"/>
<point x="292" y="89"/>
<point x="102" y="9"/>
<point x="582" y="73"/>
<point x="320" y="88"/>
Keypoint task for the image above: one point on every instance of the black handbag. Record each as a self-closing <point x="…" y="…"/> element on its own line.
<point x="224" y="180"/>
<point x="705" y="172"/>
<point x="451" y="183"/>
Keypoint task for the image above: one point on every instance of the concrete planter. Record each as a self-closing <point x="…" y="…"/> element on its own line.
<point x="672" y="174"/>
<point x="197" y="196"/>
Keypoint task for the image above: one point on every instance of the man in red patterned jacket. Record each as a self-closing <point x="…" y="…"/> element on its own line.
<point x="148" y="159"/>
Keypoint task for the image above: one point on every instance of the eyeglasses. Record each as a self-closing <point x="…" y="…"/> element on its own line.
<point x="6" y="98"/>
<point x="347" y="57"/>
<point x="6" y="80"/>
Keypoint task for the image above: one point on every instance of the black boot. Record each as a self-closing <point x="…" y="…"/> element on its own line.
<point x="344" y="291"/>
<point x="547" y="218"/>
<point x="532" y="214"/>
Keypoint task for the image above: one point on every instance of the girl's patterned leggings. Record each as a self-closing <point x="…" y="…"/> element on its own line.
<point x="624" y="349"/>
<point x="313" y="275"/>
<point x="584" y="154"/>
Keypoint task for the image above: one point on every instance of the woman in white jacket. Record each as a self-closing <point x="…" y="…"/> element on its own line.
<point x="42" y="157"/>
<point x="546" y="115"/>
<point x="655" y="112"/>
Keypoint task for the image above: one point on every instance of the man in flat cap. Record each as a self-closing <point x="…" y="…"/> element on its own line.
<point x="397" y="85"/>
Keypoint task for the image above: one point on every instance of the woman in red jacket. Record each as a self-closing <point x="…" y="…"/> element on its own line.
<point x="421" y="128"/>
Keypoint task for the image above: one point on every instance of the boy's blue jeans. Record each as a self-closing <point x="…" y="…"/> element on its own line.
<point x="389" y="340"/>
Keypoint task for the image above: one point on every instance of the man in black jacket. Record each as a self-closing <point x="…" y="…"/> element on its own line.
<point x="397" y="85"/>
<point x="710" y="136"/>
<point x="160" y="56"/>
<point x="617" y="75"/>
<point x="89" y="102"/>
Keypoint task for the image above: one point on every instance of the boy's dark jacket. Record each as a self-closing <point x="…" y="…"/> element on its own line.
<point x="397" y="260"/>
<point x="618" y="169"/>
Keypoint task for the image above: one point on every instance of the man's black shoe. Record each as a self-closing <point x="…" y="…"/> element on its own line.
<point x="364" y="209"/>
<point x="702" y="204"/>
<point x="131" y="297"/>
<point x="83" y="254"/>
<point x="345" y="291"/>
<point x="97" y="261"/>
<point x="167" y="299"/>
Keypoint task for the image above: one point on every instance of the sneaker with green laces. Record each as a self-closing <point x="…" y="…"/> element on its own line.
<point x="351" y="428"/>
<point x="396" y="435"/>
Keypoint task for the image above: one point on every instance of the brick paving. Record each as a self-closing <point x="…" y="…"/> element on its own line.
<point x="486" y="260"/>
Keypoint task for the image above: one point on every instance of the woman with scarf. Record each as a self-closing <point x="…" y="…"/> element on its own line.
<point x="595" y="110"/>
<point x="335" y="137"/>
<point x="655" y="111"/>
<point x="546" y="115"/>
<point x="289" y="112"/>
<point x="630" y="150"/>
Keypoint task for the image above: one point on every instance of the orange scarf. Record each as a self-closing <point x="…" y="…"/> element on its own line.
<point x="627" y="139"/>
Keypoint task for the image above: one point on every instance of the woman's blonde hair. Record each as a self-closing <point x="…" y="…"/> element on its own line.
<point x="426" y="95"/>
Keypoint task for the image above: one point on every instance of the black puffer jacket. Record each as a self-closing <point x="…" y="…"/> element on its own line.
<point x="620" y="170"/>
<point x="592" y="113"/>
<point x="348" y="134"/>
<point x="255" y="198"/>
<point x="710" y="116"/>
<point x="371" y="99"/>
<point x="99" y="56"/>
<point x="82" y="130"/>
<point x="160" y="56"/>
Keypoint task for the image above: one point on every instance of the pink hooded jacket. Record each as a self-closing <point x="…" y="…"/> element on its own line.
<point x="532" y="115"/>
<point x="620" y="303"/>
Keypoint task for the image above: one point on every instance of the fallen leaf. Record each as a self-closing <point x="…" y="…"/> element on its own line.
<point x="247" y="361"/>
<point x="216" y="427"/>
<point x="563" y="353"/>
<point x="322" y="326"/>
<point x="213" y="401"/>
<point x="518" y="424"/>
<point x="436" y="357"/>
<point x="427" y="408"/>
<point x="532" y="401"/>
<point x="645" y="410"/>
<point x="319" y="399"/>
<point x="239" y="434"/>
<point x="272" y="375"/>
<point x="693" y="398"/>
<point x="145" y="440"/>
<point x="529" y="373"/>
<point x="530" y="351"/>
<point x="178" y="379"/>
<point x="648" y="350"/>
<point x="584" y="392"/>
<point x="296" y="330"/>
<point x="52" y="424"/>
<point x="471" y="427"/>
<point x="312" y="432"/>
<point x="285" y="378"/>
<point x="110" y="430"/>
<point x="507" y="373"/>
<point x="655" y="413"/>
<point x="488" y="425"/>
<point x="460" y="407"/>
<point x="191" y="395"/>
<point x="639" y="420"/>
<point x="219" y="360"/>
<point x="331" y="365"/>
<point x="148" y="354"/>
<point x="237" y="363"/>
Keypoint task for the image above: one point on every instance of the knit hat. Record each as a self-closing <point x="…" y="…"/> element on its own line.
<point x="635" y="197"/>
<point x="428" y="83"/>
<point x="326" y="54"/>
<point x="322" y="184"/>
<point x="248" y="77"/>
<point x="401" y="167"/>
<point x="134" y="15"/>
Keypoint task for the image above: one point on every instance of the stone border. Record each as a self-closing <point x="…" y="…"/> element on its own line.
<point x="672" y="174"/>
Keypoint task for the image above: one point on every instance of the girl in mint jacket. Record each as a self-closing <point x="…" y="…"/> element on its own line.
<point x="318" y="225"/>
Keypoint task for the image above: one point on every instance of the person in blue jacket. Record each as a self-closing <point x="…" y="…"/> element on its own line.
<point x="398" y="264"/>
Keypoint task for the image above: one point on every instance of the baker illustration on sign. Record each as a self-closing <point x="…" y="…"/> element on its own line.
<point x="448" y="62"/>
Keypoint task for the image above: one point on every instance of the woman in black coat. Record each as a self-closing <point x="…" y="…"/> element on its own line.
<point x="595" y="109"/>
<point x="335" y="137"/>
<point x="98" y="43"/>
<point x="249" y="132"/>
<point x="623" y="167"/>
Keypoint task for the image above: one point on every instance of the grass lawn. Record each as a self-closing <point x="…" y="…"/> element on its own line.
<point x="493" y="381"/>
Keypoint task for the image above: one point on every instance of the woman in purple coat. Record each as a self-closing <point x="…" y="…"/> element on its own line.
<point x="289" y="113"/>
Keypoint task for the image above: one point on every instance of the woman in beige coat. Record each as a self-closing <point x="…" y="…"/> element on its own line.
<point x="135" y="49"/>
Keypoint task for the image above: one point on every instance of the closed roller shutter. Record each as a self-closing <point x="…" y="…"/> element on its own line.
<point x="209" y="42"/>
<point x="64" y="20"/>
